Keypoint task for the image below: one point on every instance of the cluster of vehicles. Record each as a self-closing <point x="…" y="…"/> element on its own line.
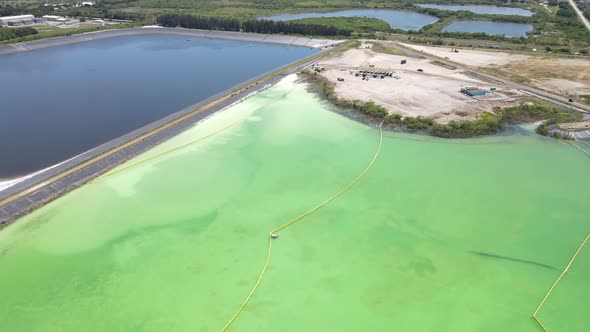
<point x="366" y="74"/>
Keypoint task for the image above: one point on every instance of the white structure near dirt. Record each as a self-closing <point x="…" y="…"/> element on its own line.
<point x="17" y="20"/>
<point x="52" y="18"/>
<point x="60" y="21"/>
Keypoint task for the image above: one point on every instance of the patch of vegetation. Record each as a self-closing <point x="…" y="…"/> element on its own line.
<point x="486" y="124"/>
<point x="565" y="10"/>
<point x="108" y="9"/>
<point x="502" y="73"/>
<point x="12" y="33"/>
<point x="534" y="112"/>
<point x="418" y="123"/>
<point x="49" y="32"/>
<point x="356" y="24"/>
<point x="348" y="45"/>
<point x="381" y="48"/>
<point x="326" y="90"/>
<point x="553" y="116"/>
<point x="490" y="124"/>
<point x="259" y="26"/>
<point x="198" y="22"/>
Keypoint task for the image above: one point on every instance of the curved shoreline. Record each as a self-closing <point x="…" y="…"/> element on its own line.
<point x="194" y="33"/>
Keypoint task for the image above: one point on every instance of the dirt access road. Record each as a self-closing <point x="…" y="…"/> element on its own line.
<point x="580" y="15"/>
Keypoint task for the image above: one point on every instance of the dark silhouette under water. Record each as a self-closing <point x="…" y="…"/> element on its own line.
<point x="485" y="254"/>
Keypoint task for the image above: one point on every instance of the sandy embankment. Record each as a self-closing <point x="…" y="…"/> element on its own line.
<point x="432" y="93"/>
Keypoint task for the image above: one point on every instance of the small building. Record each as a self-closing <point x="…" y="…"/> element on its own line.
<point x="51" y="18"/>
<point x="17" y="20"/>
<point x="473" y="92"/>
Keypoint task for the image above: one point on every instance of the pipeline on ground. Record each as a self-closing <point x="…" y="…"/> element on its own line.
<point x="568" y="265"/>
<point x="272" y="234"/>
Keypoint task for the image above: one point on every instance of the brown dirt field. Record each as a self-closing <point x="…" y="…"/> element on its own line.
<point x="582" y="125"/>
<point x="565" y="76"/>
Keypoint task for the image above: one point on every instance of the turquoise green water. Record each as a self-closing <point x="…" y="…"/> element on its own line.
<point x="177" y="243"/>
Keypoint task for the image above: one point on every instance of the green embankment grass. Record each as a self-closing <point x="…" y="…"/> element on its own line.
<point x="47" y="31"/>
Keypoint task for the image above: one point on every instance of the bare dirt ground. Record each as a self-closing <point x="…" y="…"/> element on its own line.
<point x="433" y="93"/>
<point x="566" y="76"/>
<point x="569" y="77"/>
<point x="470" y="57"/>
<point x="573" y="126"/>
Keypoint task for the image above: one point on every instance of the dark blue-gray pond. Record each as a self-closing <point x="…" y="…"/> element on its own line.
<point x="398" y="19"/>
<point x="480" y="9"/>
<point x="58" y="102"/>
<point x="491" y="28"/>
<point x="407" y="20"/>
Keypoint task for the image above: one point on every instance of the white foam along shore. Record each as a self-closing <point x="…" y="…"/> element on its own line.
<point x="151" y="30"/>
<point x="7" y="183"/>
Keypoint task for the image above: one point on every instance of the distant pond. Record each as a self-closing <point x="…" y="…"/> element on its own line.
<point x="491" y="28"/>
<point x="397" y="19"/>
<point x="480" y="9"/>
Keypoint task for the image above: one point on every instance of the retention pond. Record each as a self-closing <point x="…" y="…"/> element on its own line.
<point x="462" y="234"/>
<point x="481" y="9"/>
<point x="490" y="27"/>
<point x="397" y="19"/>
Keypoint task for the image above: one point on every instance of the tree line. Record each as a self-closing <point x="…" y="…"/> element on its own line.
<point x="198" y="22"/>
<point x="11" y="33"/>
<point x="566" y="10"/>
<point x="259" y="26"/>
